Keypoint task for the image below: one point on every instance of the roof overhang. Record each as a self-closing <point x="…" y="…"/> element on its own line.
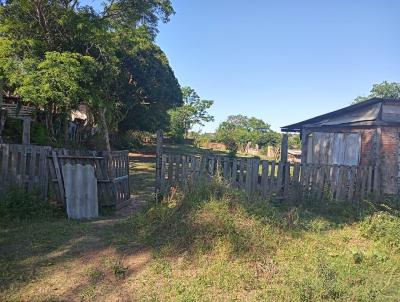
<point x="364" y="113"/>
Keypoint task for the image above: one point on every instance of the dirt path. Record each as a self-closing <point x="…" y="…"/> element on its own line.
<point x="142" y="171"/>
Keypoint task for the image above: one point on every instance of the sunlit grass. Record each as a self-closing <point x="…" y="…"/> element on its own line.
<point x="209" y="243"/>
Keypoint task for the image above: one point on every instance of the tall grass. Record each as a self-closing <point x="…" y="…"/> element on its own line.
<point x="215" y="243"/>
<point x="18" y="205"/>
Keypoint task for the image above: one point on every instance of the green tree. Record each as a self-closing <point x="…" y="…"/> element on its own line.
<point x="294" y="141"/>
<point x="194" y="111"/>
<point x="238" y="130"/>
<point x="59" y="82"/>
<point x="132" y="73"/>
<point x="382" y="90"/>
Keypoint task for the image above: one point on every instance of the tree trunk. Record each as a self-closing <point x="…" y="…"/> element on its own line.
<point x="105" y="129"/>
<point x="66" y="136"/>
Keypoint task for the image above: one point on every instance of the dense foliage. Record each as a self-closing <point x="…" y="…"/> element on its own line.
<point x="239" y="130"/>
<point x="57" y="54"/>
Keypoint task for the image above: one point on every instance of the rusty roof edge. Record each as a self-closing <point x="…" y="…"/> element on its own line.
<point x="298" y="126"/>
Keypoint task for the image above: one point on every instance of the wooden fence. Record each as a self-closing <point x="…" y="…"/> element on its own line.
<point x="39" y="168"/>
<point x="274" y="179"/>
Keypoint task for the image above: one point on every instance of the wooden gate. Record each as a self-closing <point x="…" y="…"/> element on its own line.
<point x="40" y="168"/>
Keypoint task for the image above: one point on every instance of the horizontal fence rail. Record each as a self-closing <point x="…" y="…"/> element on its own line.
<point x="273" y="179"/>
<point x="40" y="168"/>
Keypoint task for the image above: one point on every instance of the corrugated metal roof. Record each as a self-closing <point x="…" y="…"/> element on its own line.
<point x="362" y="113"/>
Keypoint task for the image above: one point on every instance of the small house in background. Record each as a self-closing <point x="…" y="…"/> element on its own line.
<point x="366" y="133"/>
<point x="294" y="156"/>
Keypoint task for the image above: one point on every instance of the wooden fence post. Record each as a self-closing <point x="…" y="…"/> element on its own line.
<point x="284" y="162"/>
<point x="159" y="163"/>
<point x="284" y="148"/>
<point x="26" y="133"/>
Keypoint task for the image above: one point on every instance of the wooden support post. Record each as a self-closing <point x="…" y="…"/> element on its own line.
<point x="283" y="163"/>
<point x="26" y="132"/>
<point x="284" y="148"/>
<point x="159" y="163"/>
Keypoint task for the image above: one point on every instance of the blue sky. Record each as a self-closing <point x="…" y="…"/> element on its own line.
<point x="282" y="61"/>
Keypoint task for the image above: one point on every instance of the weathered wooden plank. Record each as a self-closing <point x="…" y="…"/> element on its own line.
<point x="14" y="163"/>
<point x="320" y="182"/>
<point x="4" y="165"/>
<point x="59" y="177"/>
<point x="280" y="179"/>
<point x="26" y="131"/>
<point x="272" y="179"/>
<point x="170" y="170"/>
<point x="351" y="184"/>
<point x="225" y="168"/>
<point x="255" y="175"/>
<point x="234" y="173"/>
<point x="249" y="171"/>
<point x="306" y="180"/>
<point x="212" y="166"/>
<point x="242" y="174"/>
<point x="264" y="177"/>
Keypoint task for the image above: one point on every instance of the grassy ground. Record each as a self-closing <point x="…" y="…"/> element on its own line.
<point x="207" y="244"/>
<point x="142" y="176"/>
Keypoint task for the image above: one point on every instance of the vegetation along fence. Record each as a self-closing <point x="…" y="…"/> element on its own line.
<point x="40" y="168"/>
<point x="273" y="179"/>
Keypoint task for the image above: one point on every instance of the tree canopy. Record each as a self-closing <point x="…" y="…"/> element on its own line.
<point x="382" y="90"/>
<point x="193" y="112"/>
<point x="239" y="130"/>
<point x="56" y="54"/>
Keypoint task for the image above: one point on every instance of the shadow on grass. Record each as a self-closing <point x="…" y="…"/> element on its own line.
<point x="203" y="218"/>
<point x="205" y="215"/>
<point x="28" y="249"/>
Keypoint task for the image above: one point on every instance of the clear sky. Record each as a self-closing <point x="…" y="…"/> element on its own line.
<point x="282" y="61"/>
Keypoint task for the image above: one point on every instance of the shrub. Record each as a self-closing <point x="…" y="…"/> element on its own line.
<point x="131" y="139"/>
<point x="40" y="135"/>
<point x="17" y="204"/>
<point x="383" y="227"/>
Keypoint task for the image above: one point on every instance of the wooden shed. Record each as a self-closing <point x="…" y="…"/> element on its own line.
<point x="366" y="133"/>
